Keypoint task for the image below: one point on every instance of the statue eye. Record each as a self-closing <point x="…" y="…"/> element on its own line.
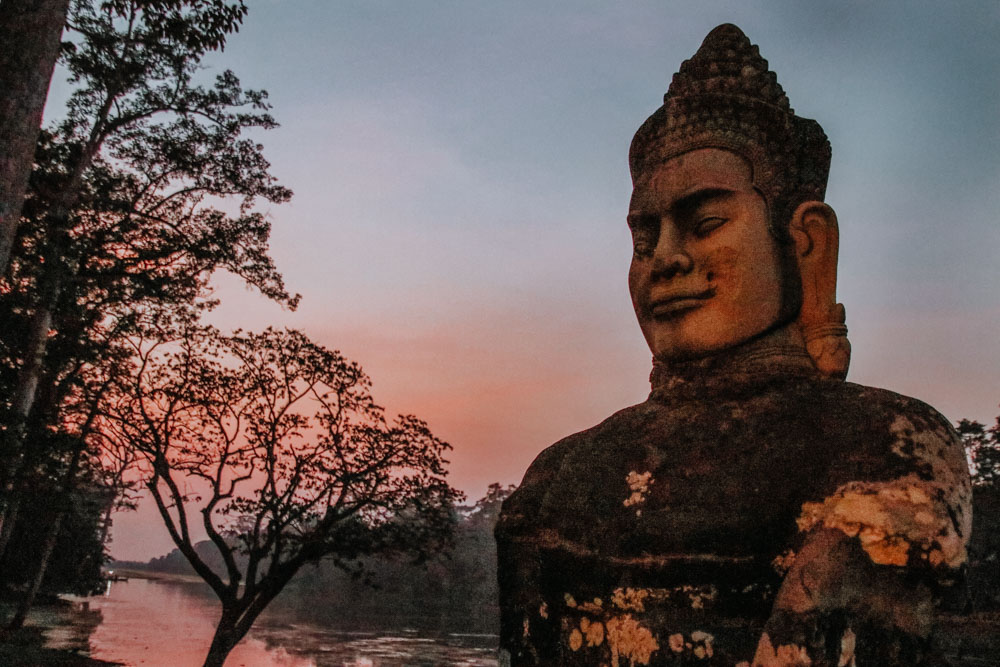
<point x="644" y="236"/>
<point x="708" y="225"/>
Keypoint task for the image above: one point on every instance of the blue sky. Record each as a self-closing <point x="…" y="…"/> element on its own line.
<point x="461" y="187"/>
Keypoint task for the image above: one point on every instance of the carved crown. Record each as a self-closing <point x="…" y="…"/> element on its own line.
<point x="726" y="97"/>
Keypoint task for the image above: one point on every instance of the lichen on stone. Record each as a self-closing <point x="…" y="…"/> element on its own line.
<point x="922" y="514"/>
<point x="594" y="631"/>
<point x="627" y="638"/>
<point x="630" y="599"/>
<point x="638" y="484"/>
<point x="890" y="519"/>
<point x="703" y="644"/>
<point x="782" y="563"/>
<point x="936" y="451"/>
<point x="784" y="655"/>
<point x="847" y="645"/>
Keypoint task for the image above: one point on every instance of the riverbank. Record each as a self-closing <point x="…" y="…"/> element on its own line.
<point x="128" y="573"/>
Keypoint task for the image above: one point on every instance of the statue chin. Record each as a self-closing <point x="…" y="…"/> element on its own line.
<point x="785" y="336"/>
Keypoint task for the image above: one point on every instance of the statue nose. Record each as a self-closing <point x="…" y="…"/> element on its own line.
<point x="670" y="257"/>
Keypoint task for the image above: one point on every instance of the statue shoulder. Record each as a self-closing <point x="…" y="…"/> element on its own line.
<point x="886" y="401"/>
<point x="546" y="464"/>
<point x="914" y="428"/>
<point x="910" y="435"/>
<point x="903" y="474"/>
<point x="546" y="467"/>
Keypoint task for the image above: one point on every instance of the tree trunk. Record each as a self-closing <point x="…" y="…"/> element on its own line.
<point x="225" y="638"/>
<point x="57" y="273"/>
<point x="30" y="373"/>
<point x="238" y="617"/>
<point x="30" y="31"/>
<point x="106" y="520"/>
<point x="24" y="399"/>
<point x="8" y="517"/>
<point x="27" y="382"/>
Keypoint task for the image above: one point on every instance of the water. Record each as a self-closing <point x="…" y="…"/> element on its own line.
<point x="169" y="624"/>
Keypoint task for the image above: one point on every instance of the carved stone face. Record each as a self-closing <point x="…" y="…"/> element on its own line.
<point x="705" y="272"/>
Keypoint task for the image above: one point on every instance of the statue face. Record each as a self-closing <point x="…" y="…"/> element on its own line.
<point x="705" y="272"/>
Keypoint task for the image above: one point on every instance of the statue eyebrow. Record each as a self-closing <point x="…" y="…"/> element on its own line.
<point x="692" y="200"/>
<point x="683" y="205"/>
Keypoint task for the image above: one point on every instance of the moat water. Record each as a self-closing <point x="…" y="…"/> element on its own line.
<point x="157" y="623"/>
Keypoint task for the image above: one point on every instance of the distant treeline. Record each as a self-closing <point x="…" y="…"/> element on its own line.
<point x="456" y="590"/>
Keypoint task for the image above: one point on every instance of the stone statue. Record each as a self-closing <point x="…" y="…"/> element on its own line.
<point x="756" y="509"/>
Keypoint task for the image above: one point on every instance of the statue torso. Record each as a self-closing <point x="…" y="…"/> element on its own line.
<point x="663" y="533"/>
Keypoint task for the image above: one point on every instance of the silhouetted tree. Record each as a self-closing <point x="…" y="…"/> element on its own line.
<point x="274" y="447"/>
<point x="983" y="446"/>
<point x="133" y="63"/>
<point x="486" y="510"/>
<point x="119" y="221"/>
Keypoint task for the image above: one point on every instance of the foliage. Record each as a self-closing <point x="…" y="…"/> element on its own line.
<point x="278" y="444"/>
<point x="144" y="189"/>
<point x="121" y="195"/>
<point x="982" y="445"/>
<point x="171" y="144"/>
<point x="79" y="553"/>
<point x="119" y="214"/>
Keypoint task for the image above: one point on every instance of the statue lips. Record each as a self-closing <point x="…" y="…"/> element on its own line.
<point x="675" y="304"/>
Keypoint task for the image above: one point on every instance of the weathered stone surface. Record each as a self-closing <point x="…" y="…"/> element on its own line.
<point x="755" y="510"/>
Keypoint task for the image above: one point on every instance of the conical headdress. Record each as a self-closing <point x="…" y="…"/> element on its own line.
<point x="726" y="97"/>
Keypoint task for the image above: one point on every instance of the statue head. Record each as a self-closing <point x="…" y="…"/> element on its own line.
<point x="726" y="207"/>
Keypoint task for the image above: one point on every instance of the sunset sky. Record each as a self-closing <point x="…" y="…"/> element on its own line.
<point x="461" y="185"/>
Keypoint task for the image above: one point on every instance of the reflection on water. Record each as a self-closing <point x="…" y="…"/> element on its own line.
<point x="170" y="624"/>
<point x="65" y="627"/>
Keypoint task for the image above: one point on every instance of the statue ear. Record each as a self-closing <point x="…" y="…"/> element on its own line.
<point x="817" y="241"/>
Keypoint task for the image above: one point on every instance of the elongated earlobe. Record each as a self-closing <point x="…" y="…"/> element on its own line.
<point x="817" y="241"/>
